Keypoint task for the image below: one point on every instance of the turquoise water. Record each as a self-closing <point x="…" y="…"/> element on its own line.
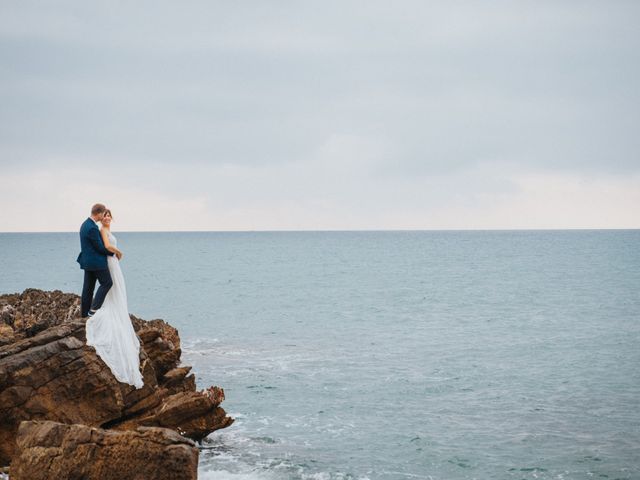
<point x="393" y="355"/>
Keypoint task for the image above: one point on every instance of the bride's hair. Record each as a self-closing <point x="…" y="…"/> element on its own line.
<point x="109" y="212"/>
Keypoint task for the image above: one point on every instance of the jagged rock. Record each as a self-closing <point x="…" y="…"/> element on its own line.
<point x="193" y="414"/>
<point x="48" y="450"/>
<point x="54" y="375"/>
<point x="33" y="311"/>
<point x="6" y="334"/>
<point x="178" y="380"/>
<point x="23" y="315"/>
<point x="161" y="342"/>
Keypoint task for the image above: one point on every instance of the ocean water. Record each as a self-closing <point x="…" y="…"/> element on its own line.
<point x="392" y="355"/>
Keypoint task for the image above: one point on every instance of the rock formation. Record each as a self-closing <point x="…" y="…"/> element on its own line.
<point x="47" y="372"/>
<point x="48" y="450"/>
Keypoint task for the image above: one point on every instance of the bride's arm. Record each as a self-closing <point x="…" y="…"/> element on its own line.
<point x="97" y="242"/>
<point x="107" y="245"/>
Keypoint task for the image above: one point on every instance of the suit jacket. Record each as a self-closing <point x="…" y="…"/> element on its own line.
<point x="93" y="254"/>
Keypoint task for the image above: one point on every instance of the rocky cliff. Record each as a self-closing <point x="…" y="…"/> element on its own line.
<point x="47" y="372"/>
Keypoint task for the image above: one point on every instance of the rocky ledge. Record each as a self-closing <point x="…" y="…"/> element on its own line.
<point x="48" y="450"/>
<point x="62" y="410"/>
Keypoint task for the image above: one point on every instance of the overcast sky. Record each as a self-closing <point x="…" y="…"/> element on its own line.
<point x="292" y="115"/>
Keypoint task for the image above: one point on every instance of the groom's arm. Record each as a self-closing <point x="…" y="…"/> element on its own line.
<point x="96" y="241"/>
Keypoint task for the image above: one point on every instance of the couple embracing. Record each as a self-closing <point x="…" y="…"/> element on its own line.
<point x="109" y="328"/>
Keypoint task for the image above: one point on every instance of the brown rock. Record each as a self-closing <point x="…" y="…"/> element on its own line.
<point x="48" y="450"/>
<point x="161" y="342"/>
<point x="6" y="334"/>
<point x="34" y="310"/>
<point x="177" y="380"/>
<point x="54" y="375"/>
<point x="192" y="414"/>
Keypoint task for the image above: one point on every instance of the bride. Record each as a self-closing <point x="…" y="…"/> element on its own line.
<point x="109" y="330"/>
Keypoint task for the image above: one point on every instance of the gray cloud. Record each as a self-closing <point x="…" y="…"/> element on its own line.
<point x="405" y="90"/>
<point x="548" y="82"/>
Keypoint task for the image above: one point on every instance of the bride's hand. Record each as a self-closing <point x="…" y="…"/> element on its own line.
<point x="119" y="255"/>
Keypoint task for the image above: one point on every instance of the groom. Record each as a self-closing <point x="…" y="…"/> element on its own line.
<point x="93" y="260"/>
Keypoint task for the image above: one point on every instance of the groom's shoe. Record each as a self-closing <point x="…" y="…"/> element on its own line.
<point x="91" y="313"/>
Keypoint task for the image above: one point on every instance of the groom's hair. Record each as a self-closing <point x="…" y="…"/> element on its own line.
<point x="98" y="208"/>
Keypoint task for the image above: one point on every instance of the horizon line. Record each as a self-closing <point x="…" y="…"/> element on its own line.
<point x="351" y="230"/>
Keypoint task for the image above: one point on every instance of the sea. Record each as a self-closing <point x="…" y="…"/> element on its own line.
<point x="392" y="354"/>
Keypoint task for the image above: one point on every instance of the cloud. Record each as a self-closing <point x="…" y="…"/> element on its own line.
<point x="320" y="111"/>
<point x="321" y="195"/>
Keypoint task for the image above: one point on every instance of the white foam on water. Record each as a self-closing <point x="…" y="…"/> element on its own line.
<point x="271" y="475"/>
<point x="234" y="455"/>
<point x="226" y="475"/>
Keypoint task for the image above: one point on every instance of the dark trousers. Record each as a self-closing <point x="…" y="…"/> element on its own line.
<point x="90" y="277"/>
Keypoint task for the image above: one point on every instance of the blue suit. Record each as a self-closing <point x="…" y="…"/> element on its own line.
<point x="93" y="260"/>
<point x="93" y="255"/>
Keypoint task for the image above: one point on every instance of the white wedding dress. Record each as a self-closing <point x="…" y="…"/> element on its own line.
<point x="110" y="330"/>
